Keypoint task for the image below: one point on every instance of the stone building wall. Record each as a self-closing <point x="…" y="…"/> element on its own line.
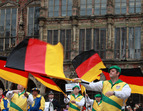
<point x="76" y="22"/>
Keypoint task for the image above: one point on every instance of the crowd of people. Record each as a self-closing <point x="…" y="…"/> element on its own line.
<point x="112" y="97"/>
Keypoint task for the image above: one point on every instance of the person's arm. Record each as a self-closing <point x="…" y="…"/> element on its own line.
<point x="30" y="99"/>
<point x="67" y="99"/>
<point x="89" y="101"/>
<point x="81" y="103"/>
<point x="94" y="86"/>
<point x="124" y="93"/>
<point x="42" y="104"/>
<point x="9" y="94"/>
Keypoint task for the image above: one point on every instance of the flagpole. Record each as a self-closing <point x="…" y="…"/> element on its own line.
<point x="27" y="82"/>
<point x="85" y="100"/>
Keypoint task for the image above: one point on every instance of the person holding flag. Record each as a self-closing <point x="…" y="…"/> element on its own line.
<point x="19" y="99"/>
<point x="114" y="91"/>
<point x="96" y="104"/>
<point x="5" y="102"/>
<point x="39" y="101"/>
<point x="76" y="101"/>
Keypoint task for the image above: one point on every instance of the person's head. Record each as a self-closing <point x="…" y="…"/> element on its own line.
<point x="35" y="91"/>
<point x="20" y="87"/>
<point x="97" y="97"/>
<point x="129" y="108"/>
<point x="114" y="71"/>
<point x="51" y="95"/>
<point x="76" y="89"/>
<point x="1" y="91"/>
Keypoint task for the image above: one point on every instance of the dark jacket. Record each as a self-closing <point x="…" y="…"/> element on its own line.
<point x="55" y="104"/>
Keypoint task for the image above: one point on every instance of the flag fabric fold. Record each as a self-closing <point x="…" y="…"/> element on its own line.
<point x="12" y="75"/>
<point x="36" y="56"/>
<point x="87" y="65"/>
<point x="133" y="77"/>
<point x="47" y="82"/>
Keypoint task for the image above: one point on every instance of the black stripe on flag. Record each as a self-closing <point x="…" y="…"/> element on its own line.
<point x="129" y="72"/>
<point x="16" y="59"/>
<point x="79" y="59"/>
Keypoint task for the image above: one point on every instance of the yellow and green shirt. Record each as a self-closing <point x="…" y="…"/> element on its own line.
<point x="73" y="106"/>
<point x="112" y="103"/>
<point x="96" y="106"/>
<point x="18" y="102"/>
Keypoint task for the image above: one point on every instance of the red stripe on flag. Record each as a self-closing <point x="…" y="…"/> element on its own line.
<point x="49" y="81"/>
<point x="21" y="73"/>
<point x="87" y="65"/>
<point x="35" y="56"/>
<point x="132" y="80"/>
<point x="106" y="74"/>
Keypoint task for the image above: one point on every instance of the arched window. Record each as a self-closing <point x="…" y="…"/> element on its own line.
<point x="8" y="23"/>
<point x="33" y="23"/>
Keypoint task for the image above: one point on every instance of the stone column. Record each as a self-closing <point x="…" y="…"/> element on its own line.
<point x="42" y="20"/>
<point x="110" y="29"/>
<point x="75" y="30"/>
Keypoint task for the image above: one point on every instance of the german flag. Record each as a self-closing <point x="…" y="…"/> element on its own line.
<point x="87" y="65"/>
<point x="48" y="82"/>
<point x="133" y="77"/>
<point x="36" y="56"/>
<point x="12" y="75"/>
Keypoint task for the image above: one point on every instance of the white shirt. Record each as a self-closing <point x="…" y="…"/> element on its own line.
<point x="10" y="94"/>
<point x="81" y="103"/>
<point x="123" y="94"/>
<point x="89" y="101"/>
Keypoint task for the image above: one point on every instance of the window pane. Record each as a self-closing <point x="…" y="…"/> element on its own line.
<point x="120" y="6"/>
<point x="131" y="7"/>
<point x="55" y="41"/>
<point x="68" y="44"/>
<point x="36" y="22"/>
<point x="89" y="7"/>
<point x="49" y="39"/>
<point x="131" y="43"/>
<point x="97" y="9"/>
<point x="1" y="44"/>
<point x="30" y="21"/>
<point x="50" y="8"/>
<point x="62" y="37"/>
<point x="13" y="26"/>
<point x="117" y="43"/>
<point x="81" y="40"/>
<point x="33" y="23"/>
<point x="8" y="13"/>
<point x="2" y="18"/>
<point x="82" y="9"/>
<point x="56" y="8"/>
<point x="64" y="8"/>
<point x="88" y="39"/>
<point x="137" y="43"/>
<point x="123" y="43"/>
<point x="69" y="8"/>
<point x="96" y="40"/>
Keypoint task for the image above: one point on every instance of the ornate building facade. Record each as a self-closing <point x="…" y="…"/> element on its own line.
<point x="113" y="28"/>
